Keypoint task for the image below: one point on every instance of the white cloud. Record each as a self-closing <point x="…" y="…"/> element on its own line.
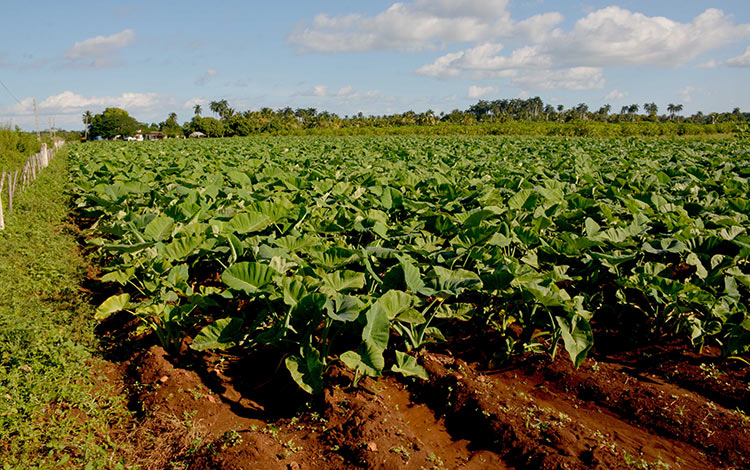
<point x="416" y="26"/>
<point x="484" y="61"/>
<point x="711" y="64"/>
<point x="193" y="101"/>
<point x="687" y="94"/>
<point x="614" y="36"/>
<point x="606" y="37"/>
<point x="203" y="79"/>
<point x="573" y="58"/>
<point x="575" y="78"/>
<point x="345" y="92"/>
<point x="100" y="51"/>
<point x="478" y="92"/>
<point x="615" y="95"/>
<point x="70" y="102"/>
<point x="742" y="60"/>
<point x="319" y="90"/>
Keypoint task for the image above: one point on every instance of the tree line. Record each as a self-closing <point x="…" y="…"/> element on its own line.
<point x="229" y="122"/>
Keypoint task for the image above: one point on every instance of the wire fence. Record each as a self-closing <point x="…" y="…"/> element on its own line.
<point x="25" y="176"/>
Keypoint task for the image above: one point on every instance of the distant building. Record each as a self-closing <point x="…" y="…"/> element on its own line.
<point x="197" y="135"/>
<point x="156" y="135"/>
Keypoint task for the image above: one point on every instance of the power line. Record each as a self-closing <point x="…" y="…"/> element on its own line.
<point x="11" y="93"/>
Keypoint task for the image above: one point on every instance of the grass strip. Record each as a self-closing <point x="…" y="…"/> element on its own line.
<point x="55" y="412"/>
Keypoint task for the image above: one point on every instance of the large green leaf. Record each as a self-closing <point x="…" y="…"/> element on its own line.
<point x="159" y="228"/>
<point x="246" y="222"/>
<point x="112" y="305"/>
<point x="182" y="247"/>
<point x="367" y="361"/>
<point x="342" y="281"/>
<point x="377" y="328"/>
<point x="454" y="282"/>
<point x="344" y="308"/>
<point x="249" y="277"/>
<point x="221" y="334"/>
<point x="577" y="337"/>
<point x="307" y="370"/>
<point x="408" y="366"/>
<point x="392" y="303"/>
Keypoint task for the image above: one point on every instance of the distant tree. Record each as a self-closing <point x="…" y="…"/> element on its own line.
<point x="604" y="110"/>
<point x="582" y="110"/>
<point x="171" y="127"/>
<point x="651" y="108"/>
<point x="548" y="111"/>
<point x="87" y="117"/>
<point x="671" y="110"/>
<point x="197" y="109"/>
<point x="208" y="125"/>
<point x="112" y="122"/>
<point x="632" y="110"/>
<point x="221" y="108"/>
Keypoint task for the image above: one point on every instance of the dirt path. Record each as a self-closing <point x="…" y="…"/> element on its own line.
<point x="204" y="412"/>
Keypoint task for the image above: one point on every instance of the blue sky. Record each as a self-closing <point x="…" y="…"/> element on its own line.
<point x="376" y="57"/>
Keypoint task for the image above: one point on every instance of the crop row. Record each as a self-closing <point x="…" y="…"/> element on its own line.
<point x="365" y="250"/>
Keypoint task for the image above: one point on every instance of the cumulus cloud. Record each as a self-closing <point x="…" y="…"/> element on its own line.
<point x="711" y="64"/>
<point x="604" y="38"/>
<point x="575" y="78"/>
<point x="195" y="100"/>
<point x="742" y="60"/>
<point x="479" y="91"/>
<point x="416" y="26"/>
<point x="484" y="61"/>
<point x="100" y="51"/>
<point x="687" y="94"/>
<point x="615" y="95"/>
<point x="495" y="45"/>
<point x="347" y="92"/>
<point x="203" y="79"/>
<point x="614" y="36"/>
<point x="70" y="102"/>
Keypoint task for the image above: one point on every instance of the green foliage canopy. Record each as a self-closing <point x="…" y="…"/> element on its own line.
<point x="112" y="122"/>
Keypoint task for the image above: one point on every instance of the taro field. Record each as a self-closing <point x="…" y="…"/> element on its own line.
<point x="364" y="253"/>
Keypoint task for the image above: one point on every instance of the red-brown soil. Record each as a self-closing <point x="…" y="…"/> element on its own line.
<point x="654" y="408"/>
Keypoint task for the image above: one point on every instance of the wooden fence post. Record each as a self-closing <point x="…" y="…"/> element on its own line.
<point x="2" y="220"/>
<point x="34" y="164"/>
<point x="15" y="181"/>
<point x="10" y="192"/>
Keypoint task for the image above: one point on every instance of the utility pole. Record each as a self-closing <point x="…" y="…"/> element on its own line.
<point x="86" y="131"/>
<point x="36" y="118"/>
<point x="50" y="127"/>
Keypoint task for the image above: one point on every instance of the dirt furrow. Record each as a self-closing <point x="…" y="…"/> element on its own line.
<point x="537" y="427"/>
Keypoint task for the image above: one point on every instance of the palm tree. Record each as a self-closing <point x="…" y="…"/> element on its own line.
<point x="220" y="107"/>
<point x="632" y="109"/>
<point x="197" y="109"/>
<point x="604" y="110"/>
<point x="87" y="118"/>
<point x="651" y="108"/>
<point x="582" y="109"/>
